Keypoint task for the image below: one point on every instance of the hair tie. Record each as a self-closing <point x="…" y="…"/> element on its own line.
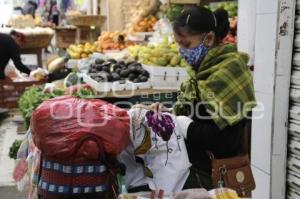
<point x="215" y="19"/>
<point x="187" y="19"/>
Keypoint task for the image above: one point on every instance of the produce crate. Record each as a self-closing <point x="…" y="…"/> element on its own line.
<point x="115" y="86"/>
<point x="65" y="36"/>
<point x="186" y="1"/>
<point x="11" y="92"/>
<point x="166" y="77"/>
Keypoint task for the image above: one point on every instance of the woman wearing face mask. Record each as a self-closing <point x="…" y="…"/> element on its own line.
<point x="217" y="95"/>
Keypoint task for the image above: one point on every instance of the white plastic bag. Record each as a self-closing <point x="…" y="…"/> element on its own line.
<point x="167" y="161"/>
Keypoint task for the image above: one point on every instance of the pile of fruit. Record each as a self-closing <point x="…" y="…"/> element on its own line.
<point x="112" y="41"/>
<point x="232" y="35"/>
<point x="230" y="7"/>
<point x="164" y="54"/>
<point x="112" y="70"/>
<point x="135" y="11"/>
<point x="145" y="24"/>
<point x="81" y="51"/>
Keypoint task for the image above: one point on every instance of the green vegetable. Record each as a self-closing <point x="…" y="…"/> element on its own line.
<point x="71" y="80"/>
<point x="84" y="93"/>
<point x="32" y="98"/>
<point x="173" y="12"/>
<point x="13" y="150"/>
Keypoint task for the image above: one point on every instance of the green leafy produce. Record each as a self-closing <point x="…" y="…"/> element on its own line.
<point x="230" y="7"/>
<point x="84" y="93"/>
<point x="32" y="98"/>
<point x="173" y="11"/>
<point x="13" y="150"/>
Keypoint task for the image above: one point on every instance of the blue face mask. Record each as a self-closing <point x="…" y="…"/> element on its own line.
<point x="194" y="56"/>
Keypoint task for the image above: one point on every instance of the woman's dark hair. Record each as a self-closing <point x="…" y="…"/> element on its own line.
<point x="34" y="4"/>
<point x="19" y="35"/>
<point x="201" y="20"/>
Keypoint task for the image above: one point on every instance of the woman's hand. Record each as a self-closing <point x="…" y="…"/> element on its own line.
<point x="159" y="107"/>
<point x="193" y="194"/>
<point x="156" y="107"/>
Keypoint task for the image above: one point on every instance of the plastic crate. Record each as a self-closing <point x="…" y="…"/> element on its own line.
<point x="11" y="92"/>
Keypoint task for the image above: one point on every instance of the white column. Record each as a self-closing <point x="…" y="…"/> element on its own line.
<point x="272" y="67"/>
<point x="246" y="27"/>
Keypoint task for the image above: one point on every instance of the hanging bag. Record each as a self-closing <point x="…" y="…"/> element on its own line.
<point x="235" y="172"/>
<point x="79" y="179"/>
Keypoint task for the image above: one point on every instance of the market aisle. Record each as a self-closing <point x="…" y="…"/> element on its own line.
<point x="8" y="133"/>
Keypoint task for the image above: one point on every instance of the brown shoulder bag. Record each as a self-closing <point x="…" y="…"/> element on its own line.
<point x="235" y="172"/>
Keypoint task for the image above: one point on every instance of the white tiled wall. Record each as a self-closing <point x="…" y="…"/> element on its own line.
<point x="262" y="181"/>
<point x="277" y="184"/>
<point x="264" y="81"/>
<point x="266" y="6"/>
<point x="281" y="114"/>
<point x="261" y="133"/>
<point x="265" y="52"/>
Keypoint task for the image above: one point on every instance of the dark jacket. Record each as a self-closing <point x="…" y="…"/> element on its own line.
<point x="10" y="50"/>
<point x="205" y="136"/>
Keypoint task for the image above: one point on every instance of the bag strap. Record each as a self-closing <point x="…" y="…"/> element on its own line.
<point x="246" y="137"/>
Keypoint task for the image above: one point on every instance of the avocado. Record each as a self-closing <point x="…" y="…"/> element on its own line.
<point x="121" y="63"/>
<point x="131" y="76"/>
<point x="112" y="61"/>
<point x="124" y="73"/>
<point x="106" y="69"/>
<point x="136" y="80"/>
<point x="99" y="67"/>
<point x="118" y="70"/>
<point x="146" y="73"/>
<point x="115" y="76"/>
<point x="132" y="68"/>
<point x="99" y="61"/>
<point x="115" y="66"/>
<point x="143" y="79"/>
<point x="106" y="64"/>
<point x="110" y="78"/>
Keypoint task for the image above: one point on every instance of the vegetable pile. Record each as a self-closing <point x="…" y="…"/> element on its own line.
<point x="34" y="96"/>
<point x="112" y="70"/>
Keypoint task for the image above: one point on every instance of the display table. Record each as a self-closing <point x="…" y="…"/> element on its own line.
<point x="133" y="93"/>
<point x="35" y="51"/>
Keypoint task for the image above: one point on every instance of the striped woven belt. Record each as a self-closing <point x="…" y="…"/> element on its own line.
<point x="73" y="170"/>
<point x="61" y="189"/>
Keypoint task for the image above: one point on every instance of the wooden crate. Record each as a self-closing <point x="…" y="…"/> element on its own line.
<point x="84" y="34"/>
<point x="65" y="37"/>
<point x="11" y="92"/>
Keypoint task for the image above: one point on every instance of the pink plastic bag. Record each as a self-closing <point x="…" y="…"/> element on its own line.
<point x="59" y="124"/>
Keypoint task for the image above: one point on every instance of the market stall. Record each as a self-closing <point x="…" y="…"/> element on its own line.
<point x="139" y="64"/>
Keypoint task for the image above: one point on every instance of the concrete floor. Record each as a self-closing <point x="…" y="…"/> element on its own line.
<point x="8" y="134"/>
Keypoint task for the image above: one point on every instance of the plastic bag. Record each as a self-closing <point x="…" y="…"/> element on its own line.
<point x="165" y="163"/>
<point x="223" y="193"/>
<point x="193" y="194"/>
<point x="59" y="124"/>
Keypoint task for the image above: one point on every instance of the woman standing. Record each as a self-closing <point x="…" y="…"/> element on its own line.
<point x="217" y="95"/>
